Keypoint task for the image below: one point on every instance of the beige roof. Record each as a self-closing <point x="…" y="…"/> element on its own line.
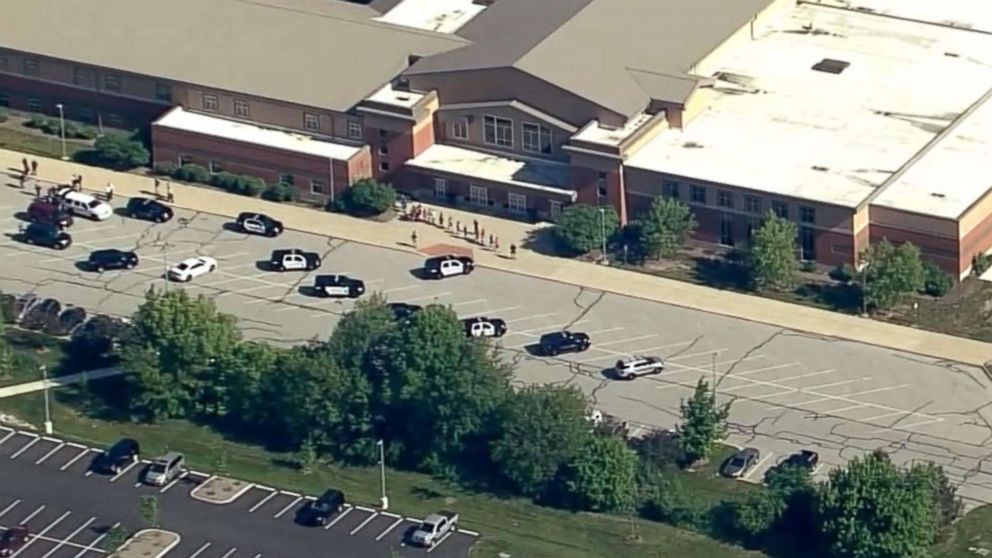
<point x="320" y="53"/>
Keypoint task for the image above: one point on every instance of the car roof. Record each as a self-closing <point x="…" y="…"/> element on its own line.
<point x="434" y="518"/>
<point x="170" y="456"/>
<point x="79" y="196"/>
<point x="332" y="493"/>
<point x="746" y="452"/>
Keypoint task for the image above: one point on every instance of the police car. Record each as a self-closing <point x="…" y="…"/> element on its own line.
<point x="259" y="223"/>
<point x="338" y="286"/>
<point x="294" y="259"/>
<point x="638" y="366"/>
<point x="447" y="266"/>
<point x="484" y="327"/>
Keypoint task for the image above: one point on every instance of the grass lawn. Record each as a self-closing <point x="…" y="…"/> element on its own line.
<point x="972" y="536"/>
<point x="513" y="526"/>
<point x="35" y="144"/>
<point x="709" y="488"/>
<point x="31" y="350"/>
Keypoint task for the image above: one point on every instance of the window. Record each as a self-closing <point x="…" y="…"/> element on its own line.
<point x="34" y="105"/>
<point x="215" y="167"/>
<point x="286" y="178"/>
<point x="781" y="209"/>
<point x="4" y="100"/>
<point x="383" y="133"/>
<point x="440" y="188"/>
<point x="184" y="160"/>
<point x="555" y="209"/>
<point x="4" y="63"/>
<point x="311" y="121"/>
<point x="725" y="199"/>
<point x="30" y="66"/>
<point x="112" y="82"/>
<point x="478" y="195"/>
<point x="753" y="224"/>
<point x="384" y="166"/>
<point x="726" y="230"/>
<point x="807" y="214"/>
<point x="807" y="244"/>
<point x="383" y="149"/>
<point x="517" y="203"/>
<point x="536" y="138"/>
<point x="498" y="131"/>
<point x="354" y="129"/>
<point x="163" y="92"/>
<point x="82" y="77"/>
<point x="698" y="194"/>
<point x="459" y="129"/>
<point x="241" y="108"/>
<point x="670" y="189"/>
<point x="115" y="120"/>
<point x="752" y="204"/>
<point x="316" y="186"/>
<point x="209" y="102"/>
<point x="601" y="190"/>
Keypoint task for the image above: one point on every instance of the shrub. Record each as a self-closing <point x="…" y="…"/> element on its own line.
<point x="251" y="185"/>
<point x="580" y="228"/>
<point x="192" y="173"/>
<point x="935" y="281"/>
<point x="121" y="151"/>
<point x="226" y="180"/>
<point x="166" y="168"/>
<point x="36" y="121"/>
<point x="279" y="192"/>
<point x="366" y="198"/>
<point x="981" y="263"/>
<point x="85" y="132"/>
<point x="843" y="273"/>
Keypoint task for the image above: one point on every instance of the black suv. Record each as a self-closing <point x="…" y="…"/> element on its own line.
<point x="102" y="260"/>
<point x="564" y="342"/>
<point x="258" y="223"/>
<point x="318" y="511"/>
<point x="43" y="210"/>
<point x="44" y="234"/>
<point x="403" y="311"/>
<point x="117" y="457"/>
<point x="148" y="209"/>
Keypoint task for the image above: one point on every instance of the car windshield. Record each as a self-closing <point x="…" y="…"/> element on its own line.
<point x="737" y="462"/>
<point x="322" y="505"/>
<point x="429" y="527"/>
<point x="183" y="266"/>
<point x="93" y="204"/>
<point x="157" y="468"/>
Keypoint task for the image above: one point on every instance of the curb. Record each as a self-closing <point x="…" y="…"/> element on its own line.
<point x="193" y="493"/>
<point x="122" y="551"/>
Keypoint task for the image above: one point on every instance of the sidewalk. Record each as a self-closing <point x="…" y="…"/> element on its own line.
<point x="396" y="235"/>
<point x="58" y="381"/>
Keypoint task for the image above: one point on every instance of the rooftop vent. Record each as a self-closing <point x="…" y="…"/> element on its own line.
<point x="952" y="54"/>
<point x="937" y="195"/>
<point x="818" y="168"/>
<point x="831" y="66"/>
<point x="692" y="145"/>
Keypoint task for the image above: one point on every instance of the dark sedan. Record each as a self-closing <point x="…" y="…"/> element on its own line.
<point x="564" y="342"/>
<point x="117" y="457"/>
<point x="148" y="209"/>
<point x="102" y="260"/>
<point x="403" y="311"/>
<point x="318" y="511"/>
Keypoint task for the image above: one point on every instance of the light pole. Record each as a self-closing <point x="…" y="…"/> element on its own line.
<point x="62" y="128"/>
<point x="602" y="233"/>
<point x="382" y="474"/>
<point x="48" y="411"/>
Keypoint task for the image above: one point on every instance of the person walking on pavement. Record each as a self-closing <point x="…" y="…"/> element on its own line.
<point x="513" y="251"/>
<point x="168" y="193"/>
<point x="27" y="168"/>
<point x="157" y="196"/>
<point x="413" y="238"/>
<point x="37" y="189"/>
<point x="492" y="240"/>
<point x="34" y="167"/>
<point x="496" y="245"/>
<point x="449" y="223"/>
<point x="475" y="227"/>
<point x="109" y="191"/>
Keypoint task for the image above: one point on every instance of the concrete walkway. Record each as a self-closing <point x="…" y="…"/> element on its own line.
<point x="397" y="235"/>
<point x="58" y="381"/>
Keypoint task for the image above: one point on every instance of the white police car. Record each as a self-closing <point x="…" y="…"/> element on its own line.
<point x="294" y="260"/>
<point x="448" y="266"/>
<point x="259" y="223"/>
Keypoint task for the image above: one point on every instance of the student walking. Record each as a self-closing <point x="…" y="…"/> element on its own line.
<point x="413" y="238"/>
<point x="34" y="167"/>
<point x="37" y="189"/>
<point x="168" y="193"/>
<point x="157" y="182"/>
<point x="27" y="168"/>
<point x="513" y="251"/>
<point x="109" y="190"/>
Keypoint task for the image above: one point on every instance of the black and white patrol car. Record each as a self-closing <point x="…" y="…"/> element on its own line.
<point x="338" y="286"/>
<point x="450" y="265"/>
<point x="294" y="259"/>
<point x="638" y="366"/>
<point x="259" y="223"/>
<point x="484" y="327"/>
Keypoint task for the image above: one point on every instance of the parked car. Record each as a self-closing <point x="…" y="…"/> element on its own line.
<point x="67" y="322"/>
<point x="24" y="303"/>
<point x="484" y="327"/>
<point x="403" y="311"/>
<point x="191" y="268"/>
<point x="738" y="465"/>
<point x="638" y="366"/>
<point x="805" y="459"/>
<point x="450" y="265"/>
<point x="148" y="209"/>
<point x="553" y="344"/>
<point x="102" y="260"/>
<point x="87" y="206"/>
<point x="42" y="315"/>
<point x="124" y="453"/>
<point x="294" y="259"/>
<point x="8" y="308"/>
<point x="165" y="469"/>
<point x="259" y="223"/>
<point x="14" y="539"/>
<point x="44" y="210"/>
<point x="46" y="234"/>
<point x="318" y="511"/>
<point x="338" y="286"/>
<point x="434" y="528"/>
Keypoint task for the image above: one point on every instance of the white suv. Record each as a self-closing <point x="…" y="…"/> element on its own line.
<point x="638" y="366"/>
<point x="86" y="205"/>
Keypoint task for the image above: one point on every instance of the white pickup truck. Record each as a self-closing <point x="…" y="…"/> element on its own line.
<point x="434" y="528"/>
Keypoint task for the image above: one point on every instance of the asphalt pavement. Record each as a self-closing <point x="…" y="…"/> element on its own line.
<point x="47" y="484"/>
<point x="790" y="390"/>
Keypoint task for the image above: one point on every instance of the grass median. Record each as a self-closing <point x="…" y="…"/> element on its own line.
<point x="508" y="525"/>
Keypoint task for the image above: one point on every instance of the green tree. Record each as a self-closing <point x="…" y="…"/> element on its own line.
<point x="306" y="456"/>
<point x="580" y="228"/>
<point x="149" y="511"/>
<point x="7" y="361"/>
<point x="934" y="479"/>
<point x="541" y="428"/>
<point x="664" y="228"/>
<point x="889" y="273"/>
<point x="239" y="379"/>
<point x="115" y="539"/>
<point x="756" y="516"/>
<point x="936" y="282"/>
<point x="704" y="423"/>
<point x="600" y="477"/>
<point x="772" y="256"/>
<point x="367" y="198"/>
<point x="121" y="151"/>
<point x="303" y="396"/>
<point x="872" y="509"/>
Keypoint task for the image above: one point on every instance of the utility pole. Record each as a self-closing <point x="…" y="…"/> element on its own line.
<point x="48" y="410"/>
<point x="382" y="474"/>
<point x="602" y="234"/>
<point x="62" y="129"/>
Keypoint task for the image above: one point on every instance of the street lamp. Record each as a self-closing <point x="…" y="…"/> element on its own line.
<point x="48" y="411"/>
<point x="62" y="129"/>
<point x="602" y="233"/>
<point x="382" y="474"/>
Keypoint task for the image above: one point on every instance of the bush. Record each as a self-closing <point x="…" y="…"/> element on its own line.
<point x="192" y="173"/>
<point x="251" y="185"/>
<point x="580" y="228"/>
<point x="935" y="282"/>
<point x="981" y="263"/>
<point x="843" y="273"/>
<point x="366" y="198"/>
<point x="279" y="192"/>
<point x="226" y="180"/>
<point x="7" y="304"/>
<point x="166" y="168"/>
<point x="121" y="151"/>
<point x="91" y="344"/>
<point x="37" y="122"/>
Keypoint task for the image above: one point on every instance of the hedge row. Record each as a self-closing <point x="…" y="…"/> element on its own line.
<point x="53" y="127"/>
<point x="244" y="185"/>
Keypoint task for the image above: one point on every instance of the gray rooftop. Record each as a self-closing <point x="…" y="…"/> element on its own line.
<point x="320" y="53"/>
<point x="619" y="54"/>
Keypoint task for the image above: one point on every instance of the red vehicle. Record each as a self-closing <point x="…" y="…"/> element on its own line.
<point x="13" y="540"/>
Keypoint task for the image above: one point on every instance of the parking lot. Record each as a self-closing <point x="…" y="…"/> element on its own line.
<point x="789" y="390"/>
<point x="47" y="485"/>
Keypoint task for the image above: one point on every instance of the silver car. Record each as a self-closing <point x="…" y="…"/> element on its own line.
<point x="740" y="463"/>
<point x="165" y="469"/>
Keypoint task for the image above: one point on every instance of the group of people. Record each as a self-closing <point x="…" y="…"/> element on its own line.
<point x="436" y="218"/>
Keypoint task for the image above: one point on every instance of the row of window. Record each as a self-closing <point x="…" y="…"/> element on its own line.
<point x="84" y="77"/>
<point x="82" y="114"/>
<point x="498" y="131"/>
<point x="479" y="195"/>
<point x="311" y="121"/>
<point x="317" y="185"/>
<point x="724" y="198"/>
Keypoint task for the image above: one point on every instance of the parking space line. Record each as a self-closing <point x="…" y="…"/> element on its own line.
<point x="699" y="354"/>
<point x="7" y="437"/>
<point x="398" y="289"/>
<point x="230" y="552"/>
<point x="9" y="507"/>
<point x="911" y="425"/>
<point x="842" y="409"/>
<point x="440" y="542"/>
<point x="174" y="482"/>
<point x="34" y="513"/>
<point x="93" y="545"/>
<point x="555" y="327"/>
<point x="847" y="397"/>
<point x="426" y="297"/>
<point x="628" y="340"/>
<point x="123" y="471"/>
<point x="492" y="311"/>
<point x="200" y="550"/>
<point x="49" y="454"/>
<point x="18" y="453"/>
<point x="469" y="533"/>
<point x="647" y="351"/>
<point x="884" y="415"/>
<point x="365" y="509"/>
<point x="528" y="318"/>
<point x="388" y="529"/>
<point x="42" y="533"/>
<point x="364" y="523"/>
<point x="758" y="465"/>
<point x="71" y="536"/>
<point x="469" y="302"/>
<point x="840" y="383"/>
<point x="259" y="555"/>
<point x="287" y="508"/>
<point x="338" y="518"/>
<point x="263" y="501"/>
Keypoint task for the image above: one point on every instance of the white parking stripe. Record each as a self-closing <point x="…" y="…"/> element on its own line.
<point x="547" y="328"/>
<point x="42" y="533"/>
<point x="7" y="437"/>
<point x="398" y="289"/>
<point x="287" y="508"/>
<point x="34" y="513"/>
<point x="200" y="550"/>
<point x="468" y="302"/>
<point x="23" y="449"/>
<point x="444" y="538"/>
<point x="93" y="546"/>
<point x="758" y="465"/>
<point x="427" y="297"/>
<point x="339" y="517"/>
<point x="648" y="351"/>
<point x="70" y="537"/>
<point x="911" y="425"/>
<point x="9" y="507"/>
<point x="847" y="396"/>
<point x="491" y="311"/>
<point x="528" y="318"/>
<point x="123" y="471"/>
<point x="628" y="340"/>
<point x="699" y="354"/>
<point x="262" y="502"/>
<point x="174" y="482"/>
<point x="49" y="454"/>
<point x="388" y="529"/>
<point x="230" y="552"/>
<point x="364" y="523"/>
